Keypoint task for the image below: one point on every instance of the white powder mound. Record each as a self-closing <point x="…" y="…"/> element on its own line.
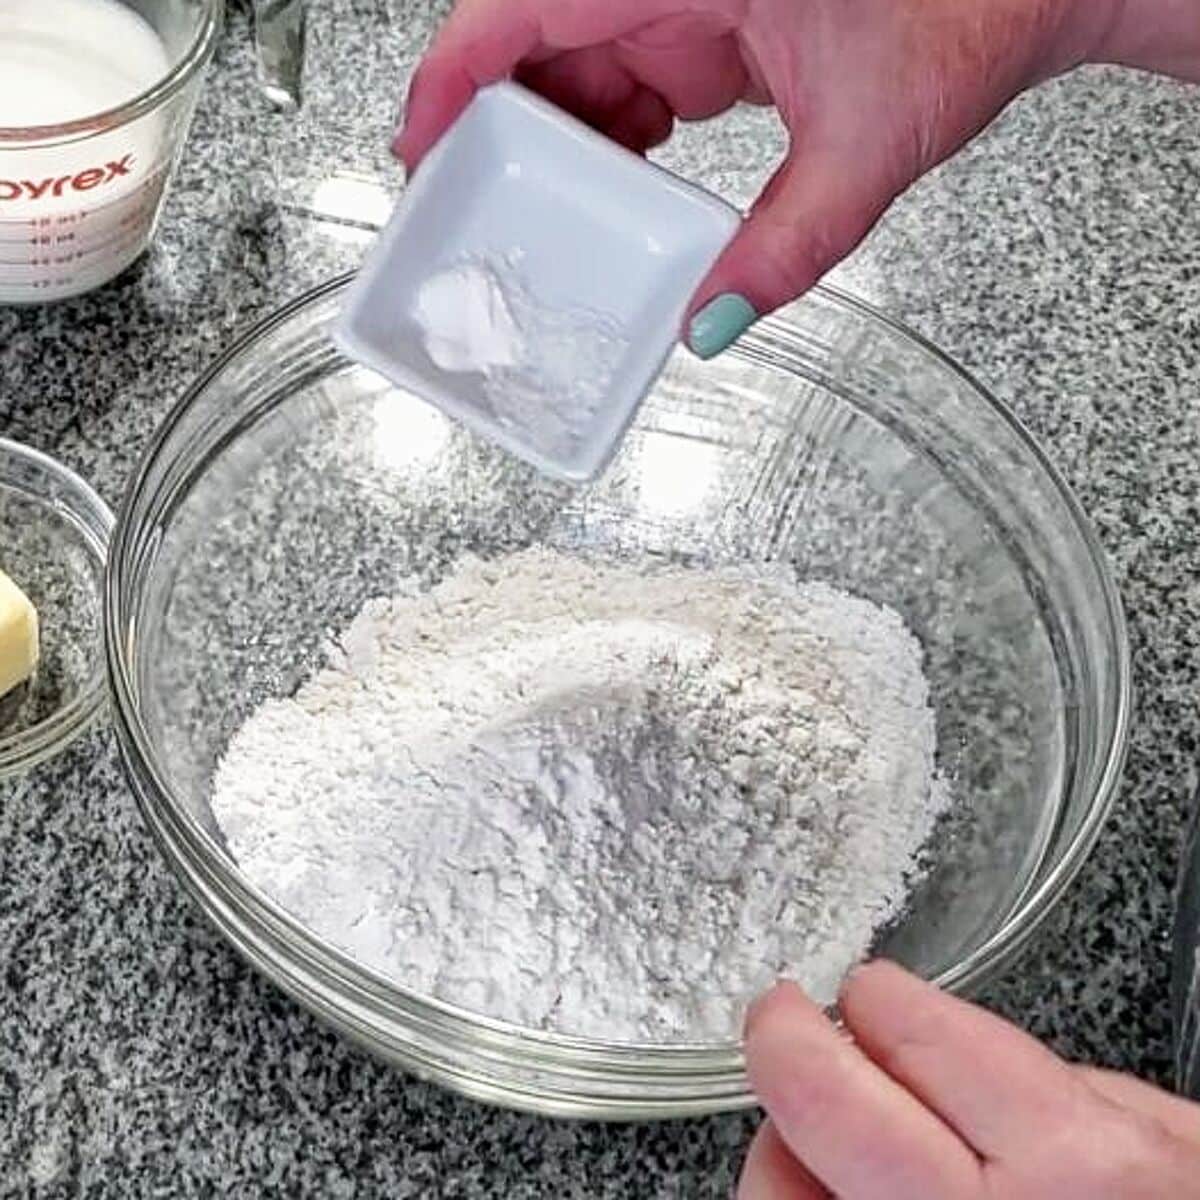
<point x="605" y="800"/>
<point x="467" y="322"/>
<point x="544" y="370"/>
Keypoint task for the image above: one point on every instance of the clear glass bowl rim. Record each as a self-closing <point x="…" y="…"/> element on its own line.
<point x="710" y="1078"/>
<point x="94" y="521"/>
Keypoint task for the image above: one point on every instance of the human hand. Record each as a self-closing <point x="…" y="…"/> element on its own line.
<point x="936" y="1099"/>
<point x="873" y="93"/>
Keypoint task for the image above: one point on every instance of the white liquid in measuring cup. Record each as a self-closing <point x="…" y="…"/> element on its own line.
<point x="75" y="214"/>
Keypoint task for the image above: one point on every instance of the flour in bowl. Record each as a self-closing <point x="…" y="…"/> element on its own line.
<point x="608" y="800"/>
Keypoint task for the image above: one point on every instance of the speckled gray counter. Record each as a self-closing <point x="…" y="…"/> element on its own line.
<point x="1059" y="258"/>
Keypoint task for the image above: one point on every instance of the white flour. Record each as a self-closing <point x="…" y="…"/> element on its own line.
<point x="605" y="800"/>
<point x="543" y="370"/>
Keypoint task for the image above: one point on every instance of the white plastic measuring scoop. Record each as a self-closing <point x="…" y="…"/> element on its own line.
<point x="533" y="281"/>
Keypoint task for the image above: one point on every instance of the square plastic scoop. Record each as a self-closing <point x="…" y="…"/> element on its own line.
<point x="533" y="280"/>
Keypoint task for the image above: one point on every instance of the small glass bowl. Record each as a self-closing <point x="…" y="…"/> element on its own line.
<point x="54" y="533"/>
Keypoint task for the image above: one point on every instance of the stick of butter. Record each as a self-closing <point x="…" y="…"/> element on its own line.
<point x="18" y="636"/>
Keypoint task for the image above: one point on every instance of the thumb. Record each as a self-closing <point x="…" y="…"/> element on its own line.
<point x="815" y="210"/>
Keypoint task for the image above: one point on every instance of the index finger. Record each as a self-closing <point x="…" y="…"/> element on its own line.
<point x="855" y="1129"/>
<point x="483" y="41"/>
<point x="997" y="1086"/>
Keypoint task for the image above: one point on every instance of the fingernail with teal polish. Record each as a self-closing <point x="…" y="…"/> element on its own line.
<point x="720" y="323"/>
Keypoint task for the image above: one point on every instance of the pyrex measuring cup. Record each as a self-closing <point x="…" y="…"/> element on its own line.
<point x="79" y="200"/>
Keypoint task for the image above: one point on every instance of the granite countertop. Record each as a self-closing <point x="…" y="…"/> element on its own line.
<point x="1059" y="259"/>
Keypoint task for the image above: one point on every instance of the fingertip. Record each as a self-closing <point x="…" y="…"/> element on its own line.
<point x="719" y="323"/>
<point x="642" y="122"/>
<point x="815" y="210"/>
<point x="438" y="93"/>
<point x="409" y="154"/>
<point x="749" y="267"/>
<point x="784" y="1027"/>
<point x="784" y="996"/>
<point x="871" y="974"/>
<point x="401" y="151"/>
<point x="879" y="986"/>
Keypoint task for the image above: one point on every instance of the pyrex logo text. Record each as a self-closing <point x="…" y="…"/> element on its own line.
<point x="82" y="181"/>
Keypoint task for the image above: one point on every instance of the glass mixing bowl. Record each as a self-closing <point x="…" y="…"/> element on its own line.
<point x="290" y="485"/>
